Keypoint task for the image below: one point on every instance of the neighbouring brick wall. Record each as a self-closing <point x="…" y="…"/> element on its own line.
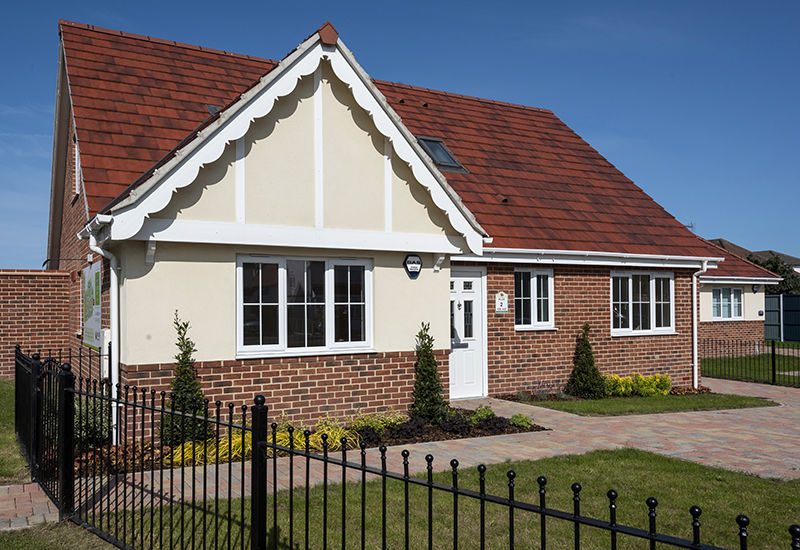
<point x="543" y="359"/>
<point x="751" y="331"/>
<point x="302" y="388"/>
<point x="34" y="308"/>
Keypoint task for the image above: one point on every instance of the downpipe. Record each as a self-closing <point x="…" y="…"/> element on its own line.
<point x="695" y="323"/>
<point x="114" y="316"/>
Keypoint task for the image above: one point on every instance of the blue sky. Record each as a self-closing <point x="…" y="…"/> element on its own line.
<point x="697" y="102"/>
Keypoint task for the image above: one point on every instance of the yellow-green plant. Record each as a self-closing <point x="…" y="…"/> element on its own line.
<point x="617" y="386"/>
<point x="643" y="386"/>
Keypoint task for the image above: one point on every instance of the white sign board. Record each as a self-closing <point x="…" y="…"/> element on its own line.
<point x="92" y="333"/>
<point x="501" y="302"/>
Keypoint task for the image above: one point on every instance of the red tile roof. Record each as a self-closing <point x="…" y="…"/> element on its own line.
<point x="532" y="183"/>
<point x="734" y="265"/>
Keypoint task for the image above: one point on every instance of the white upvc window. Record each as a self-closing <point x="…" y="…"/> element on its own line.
<point x="533" y="299"/>
<point x="642" y="303"/>
<point x="727" y="303"/>
<point x="302" y="306"/>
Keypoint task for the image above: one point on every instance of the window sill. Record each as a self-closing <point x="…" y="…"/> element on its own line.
<point x="533" y="329"/>
<point x="310" y="353"/>
<point x="643" y="333"/>
<point x="723" y="320"/>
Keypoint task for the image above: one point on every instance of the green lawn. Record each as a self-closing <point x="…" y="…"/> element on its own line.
<point x="654" y="405"/>
<point x="770" y="504"/>
<point x="13" y="468"/>
<point x="754" y="368"/>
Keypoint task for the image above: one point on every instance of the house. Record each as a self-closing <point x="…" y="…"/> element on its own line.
<point x="732" y="298"/>
<point x="762" y="255"/>
<point x="306" y="219"/>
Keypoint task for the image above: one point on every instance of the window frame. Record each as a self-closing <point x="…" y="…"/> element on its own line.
<point x="535" y="323"/>
<point x="652" y="301"/>
<point x="282" y="348"/>
<point x="715" y="317"/>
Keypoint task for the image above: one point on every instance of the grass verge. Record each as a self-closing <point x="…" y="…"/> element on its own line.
<point x="771" y="505"/>
<point x="655" y="404"/>
<point x="13" y="468"/>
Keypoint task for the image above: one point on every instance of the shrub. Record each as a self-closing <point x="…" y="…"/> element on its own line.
<point x="379" y="422"/>
<point x="481" y="413"/>
<point x="93" y="426"/>
<point x="427" y="400"/>
<point x="186" y="396"/>
<point x="658" y="384"/>
<point x="585" y="379"/>
<point x="643" y="386"/>
<point x="457" y="423"/>
<point x="369" y="435"/>
<point x="618" y="387"/>
<point x="521" y="421"/>
<point x="408" y="430"/>
<point x="493" y="424"/>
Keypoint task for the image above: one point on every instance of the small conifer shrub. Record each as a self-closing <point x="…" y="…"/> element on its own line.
<point x="427" y="400"/>
<point x="585" y="380"/>
<point x="186" y="396"/>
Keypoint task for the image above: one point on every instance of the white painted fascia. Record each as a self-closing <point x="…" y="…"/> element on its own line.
<point x="571" y="257"/>
<point x="230" y="233"/>
<point x="740" y="280"/>
<point x="233" y="123"/>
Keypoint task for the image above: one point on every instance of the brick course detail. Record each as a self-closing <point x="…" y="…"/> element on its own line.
<point x="542" y="359"/>
<point x="302" y="388"/>
<point x="751" y="331"/>
<point x="34" y="313"/>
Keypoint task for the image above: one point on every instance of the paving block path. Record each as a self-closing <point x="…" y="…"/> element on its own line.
<point x="760" y="441"/>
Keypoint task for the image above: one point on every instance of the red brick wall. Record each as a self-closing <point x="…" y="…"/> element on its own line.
<point x="542" y="360"/>
<point x="34" y="308"/>
<point x="303" y="388"/>
<point x="751" y="331"/>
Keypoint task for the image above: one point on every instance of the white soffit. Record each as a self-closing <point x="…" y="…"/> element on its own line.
<point x="233" y="123"/>
<point x="739" y="280"/>
<point x="570" y="257"/>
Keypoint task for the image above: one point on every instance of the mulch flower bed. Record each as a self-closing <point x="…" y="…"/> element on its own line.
<point x="527" y="397"/>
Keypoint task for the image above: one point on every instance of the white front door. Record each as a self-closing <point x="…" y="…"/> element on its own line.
<point x="467" y="334"/>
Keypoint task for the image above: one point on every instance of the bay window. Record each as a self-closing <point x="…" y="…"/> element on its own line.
<point x="642" y="303"/>
<point x="296" y="305"/>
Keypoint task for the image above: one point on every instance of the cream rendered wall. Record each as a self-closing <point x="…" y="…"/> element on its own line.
<point x="353" y="161"/>
<point x="751" y="303"/>
<point x="279" y="162"/>
<point x="212" y="195"/>
<point x="279" y="172"/>
<point x="200" y="282"/>
<point x="197" y="280"/>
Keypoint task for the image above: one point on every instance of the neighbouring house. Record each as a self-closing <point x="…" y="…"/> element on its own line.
<point x="761" y="255"/>
<point x="732" y="298"/>
<point x="306" y="219"/>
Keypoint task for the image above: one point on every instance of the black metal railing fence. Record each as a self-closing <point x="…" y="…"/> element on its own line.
<point x="767" y="362"/>
<point x="239" y="488"/>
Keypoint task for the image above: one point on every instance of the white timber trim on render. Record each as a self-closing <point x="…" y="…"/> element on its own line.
<point x="570" y="257"/>
<point x="319" y="202"/>
<point x="240" y="181"/>
<point x="188" y="231"/>
<point x="387" y="184"/>
<point x="234" y="122"/>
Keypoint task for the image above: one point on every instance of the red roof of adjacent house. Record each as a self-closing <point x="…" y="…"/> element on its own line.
<point x="532" y="183"/>
<point x="735" y="265"/>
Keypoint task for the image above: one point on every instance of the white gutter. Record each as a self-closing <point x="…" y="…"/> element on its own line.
<point x="695" y="323"/>
<point x="587" y="257"/>
<point x="91" y="231"/>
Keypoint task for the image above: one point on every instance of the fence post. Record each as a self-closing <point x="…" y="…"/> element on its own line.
<point x="66" y="442"/>
<point x="36" y="415"/>
<point x="258" y="491"/>
<point x="773" y="364"/>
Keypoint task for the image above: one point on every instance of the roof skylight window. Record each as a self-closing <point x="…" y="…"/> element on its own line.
<point x="441" y="155"/>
